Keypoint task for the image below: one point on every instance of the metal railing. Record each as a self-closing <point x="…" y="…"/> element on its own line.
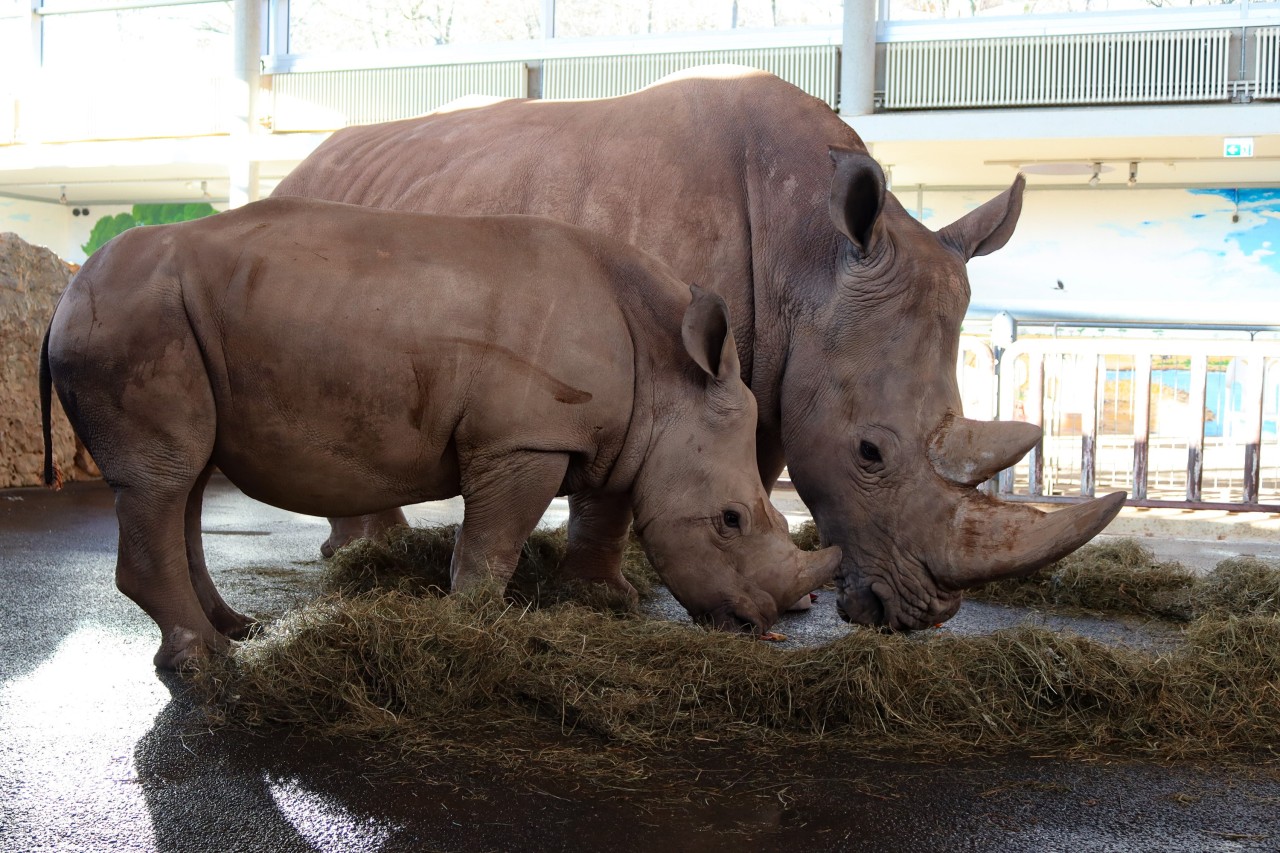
<point x="328" y="100"/>
<point x="1139" y="416"/>
<point x="993" y="62"/>
<point x="1095" y="68"/>
<point x="1267" y="62"/>
<point x="813" y="68"/>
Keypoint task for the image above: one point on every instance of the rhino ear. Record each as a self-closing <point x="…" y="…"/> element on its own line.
<point x="707" y="336"/>
<point x="982" y="231"/>
<point x="857" y="195"/>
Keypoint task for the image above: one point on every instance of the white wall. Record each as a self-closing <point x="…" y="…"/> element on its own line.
<point x="39" y="224"/>
<point x="1131" y="254"/>
<point x="55" y="226"/>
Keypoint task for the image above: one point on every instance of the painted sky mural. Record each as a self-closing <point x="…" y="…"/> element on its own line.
<point x="1132" y="254"/>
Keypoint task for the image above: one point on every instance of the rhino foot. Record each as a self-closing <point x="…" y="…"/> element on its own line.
<point x="183" y="646"/>
<point x="232" y="624"/>
<point x="345" y="530"/>
<point x="614" y="594"/>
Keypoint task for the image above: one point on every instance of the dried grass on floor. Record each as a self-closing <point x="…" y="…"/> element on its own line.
<point x="1123" y="577"/>
<point x="567" y="687"/>
<point x="415" y="560"/>
<point x="425" y="672"/>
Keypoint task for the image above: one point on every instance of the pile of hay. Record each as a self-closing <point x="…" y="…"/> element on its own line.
<point x="415" y="560"/>
<point x="538" y="678"/>
<point x="1125" y="578"/>
<point x="413" y="670"/>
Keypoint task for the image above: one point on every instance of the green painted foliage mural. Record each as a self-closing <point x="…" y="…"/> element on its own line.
<point x="143" y="214"/>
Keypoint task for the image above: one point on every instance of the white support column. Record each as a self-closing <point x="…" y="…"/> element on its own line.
<point x="37" y="36"/>
<point x="243" y="168"/>
<point x="858" y="58"/>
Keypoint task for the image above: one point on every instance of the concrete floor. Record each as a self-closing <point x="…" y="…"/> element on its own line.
<point x="98" y="753"/>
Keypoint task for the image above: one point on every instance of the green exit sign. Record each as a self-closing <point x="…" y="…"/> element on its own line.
<point x="1237" y="146"/>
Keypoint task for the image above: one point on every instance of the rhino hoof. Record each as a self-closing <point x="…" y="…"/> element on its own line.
<point x="182" y="647"/>
<point x="233" y="625"/>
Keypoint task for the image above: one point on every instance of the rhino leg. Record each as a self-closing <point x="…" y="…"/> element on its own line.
<point x="769" y="458"/>
<point x="503" y="500"/>
<point x="227" y="621"/>
<point x="150" y="422"/>
<point x="151" y="570"/>
<point x="599" y="525"/>
<point x="351" y="528"/>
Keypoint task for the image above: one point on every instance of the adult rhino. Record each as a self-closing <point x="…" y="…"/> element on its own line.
<point x="231" y="341"/>
<point x="846" y="310"/>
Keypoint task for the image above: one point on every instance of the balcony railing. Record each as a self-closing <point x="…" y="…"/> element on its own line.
<point x="1205" y="54"/>
<point x="1101" y="68"/>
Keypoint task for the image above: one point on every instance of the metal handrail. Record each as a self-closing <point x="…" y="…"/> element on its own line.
<point x="1091" y="354"/>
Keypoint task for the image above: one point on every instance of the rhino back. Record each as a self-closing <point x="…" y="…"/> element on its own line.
<point x="392" y="348"/>
<point x="723" y="173"/>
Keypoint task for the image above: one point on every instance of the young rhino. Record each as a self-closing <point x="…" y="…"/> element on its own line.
<point x="339" y="360"/>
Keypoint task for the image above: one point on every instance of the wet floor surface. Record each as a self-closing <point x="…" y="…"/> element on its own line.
<point x="98" y="753"/>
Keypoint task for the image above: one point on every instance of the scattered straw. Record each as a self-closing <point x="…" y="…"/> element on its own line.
<point x="424" y="670"/>
<point x="549" y="682"/>
<point x="415" y="560"/>
<point x="1125" y="578"/>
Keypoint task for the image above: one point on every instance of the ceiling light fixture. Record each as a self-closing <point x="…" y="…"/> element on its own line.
<point x="1133" y="172"/>
<point x="204" y="189"/>
<point x="1054" y="168"/>
<point x="62" y="199"/>
<point x="1097" y="170"/>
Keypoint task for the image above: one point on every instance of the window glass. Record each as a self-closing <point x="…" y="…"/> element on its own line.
<point x="907" y="10"/>
<point x="191" y="40"/>
<point x="324" y="25"/>
<point x="15" y="47"/>
<point x="606" y="18"/>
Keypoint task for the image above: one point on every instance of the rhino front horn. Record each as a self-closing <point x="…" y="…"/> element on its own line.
<point x="968" y="452"/>
<point x="991" y="540"/>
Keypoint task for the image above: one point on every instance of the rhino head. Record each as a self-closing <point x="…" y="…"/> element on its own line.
<point x="701" y="513"/>
<point x="873" y="432"/>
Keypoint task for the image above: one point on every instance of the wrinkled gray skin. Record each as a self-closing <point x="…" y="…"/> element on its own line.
<point x="847" y="311"/>
<point x="233" y="342"/>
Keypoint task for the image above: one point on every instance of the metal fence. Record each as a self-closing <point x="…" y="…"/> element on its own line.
<point x="327" y="100"/>
<point x="813" y="68"/>
<point x="1093" y="68"/>
<point x="1188" y="423"/>
<point x="1267" y="62"/>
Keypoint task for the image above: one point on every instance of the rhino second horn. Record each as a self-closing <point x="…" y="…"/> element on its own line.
<point x="991" y="540"/>
<point x="816" y="569"/>
<point x="968" y="452"/>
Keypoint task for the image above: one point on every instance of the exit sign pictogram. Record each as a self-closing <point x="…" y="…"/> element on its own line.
<point x="1237" y="146"/>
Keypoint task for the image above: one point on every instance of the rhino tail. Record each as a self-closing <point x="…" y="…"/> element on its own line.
<point x="52" y="473"/>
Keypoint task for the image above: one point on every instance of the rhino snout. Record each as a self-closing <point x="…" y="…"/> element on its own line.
<point x="738" y="617"/>
<point x="857" y="604"/>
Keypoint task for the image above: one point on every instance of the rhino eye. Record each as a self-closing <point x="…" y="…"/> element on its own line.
<point x="732" y="519"/>
<point x="869" y="452"/>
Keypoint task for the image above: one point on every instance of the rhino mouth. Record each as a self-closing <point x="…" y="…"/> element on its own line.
<point x="730" y="618"/>
<point x="878" y="603"/>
